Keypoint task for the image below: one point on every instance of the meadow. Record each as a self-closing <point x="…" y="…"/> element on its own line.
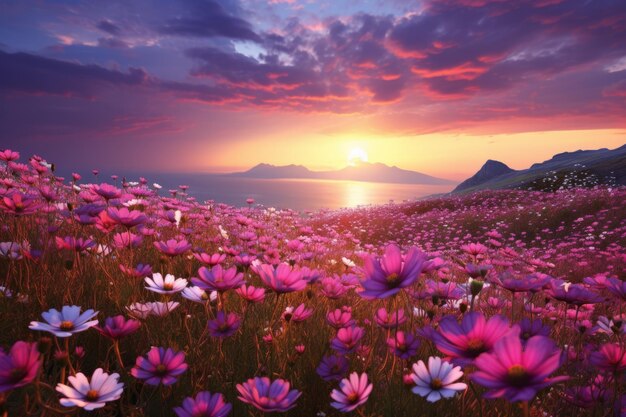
<point x="120" y="298"/>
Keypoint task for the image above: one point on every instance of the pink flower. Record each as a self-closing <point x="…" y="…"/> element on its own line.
<point x="353" y="392"/>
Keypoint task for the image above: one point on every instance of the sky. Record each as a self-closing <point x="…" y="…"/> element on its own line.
<point x="437" y="86"/>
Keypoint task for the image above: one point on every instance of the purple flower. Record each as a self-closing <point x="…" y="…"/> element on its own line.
<point x="204" y="404"/>
<point x="91" y="395"/>
<point x="224" y="325"/>
<point x="218" y="278"/>
<point x="529" y="329"/>
<point x="437" y="381"/>
<point x="403" y="345"/>
<point x="66" y="322"/>
<point x="617" y="287"/>
<point x="475" y="335"/>
<point x="388" y="275"/>
<point x="517" y="373"/>
<point x="211" y="260"/>
<point x="333" y="367"/>
<point x="533" y="282"/>
<point x="268" y="396"/>
<point x="160" y="366"/>
<point x="118" y="327"/>
<point x="173" y="247"/>
<point x="282" y="279"/>
<point x="347" y="339"/>
<point x="575" y="294"/>
<point x="352" y="392"/>
<point x="20" y="366"/>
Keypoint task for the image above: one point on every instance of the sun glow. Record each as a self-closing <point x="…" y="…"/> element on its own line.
<point x="357" y="156"/>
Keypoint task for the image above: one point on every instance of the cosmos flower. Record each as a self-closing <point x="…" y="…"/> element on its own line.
<point x="403" y="345"/>
<point x="198" y="295"/>
<point x="389" y="321"/>
<point x="575" y="294"/>
<point x="66" y="322"/>
<point x="436" y="381"/>
<point x="251" y="293"/>
<point x="118" y="327"/>
<point x="224" y="325"/>
<point x="347" y="339"/>
<point x="617" y="287"/>
<point x="93" y="394"/>
<point x="211" y="260"/>
<point x="516" y="372"/>
<point x="204" y="404"/>
<point x="19" y="367"/>
<point x="160" y="366"/>
<point x="333" y="367"/>
<point x="610" y="357"/>
<point x="172" y="247"/>
<point x="388" y="275"/>
<point x="353" y="392"/>
<point x="268" y="396"/>
<point x="282" y="279"/>
<point x="168" y="285"/>
<point x="298" y="314"/>
<point x="340" y="318"/>
<point x="157" y="308"/>
<point x="218" y="278"/>
<point x="475" y="335"/>
<point x="127" y="218"/>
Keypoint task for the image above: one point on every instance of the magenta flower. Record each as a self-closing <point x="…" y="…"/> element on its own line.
<point x="403" y="345"/>
<point x="352" y="392"/>
<point x="332" y="288"/>
<point x="517" y="373"/>
<point x="475" y="335"/>
<point x="224" y="325"/>
<point x="268" y="396"/>
<point x="347" y="339"/>
<point x="610" y="357"/>
<point x="172" y="247"/>
<point x="19" y="367"/>
<point x="617" y="287"/>
<point x="340" y="318"/>
<point x="533" y="282"/>
<point x="204" y="404"/>
<point x="333" y="367"/>
<point x="8" y="155"/>
<point x="19" y="204"/>
<point x="297" y="315"/>
<point x="118" y="327"/>
<point x="388" y="275"/>
<point x="251" y="293"/>
<point x="211" y="260"/>
<point x="389" y="321"/>
<point x="107" y="191"/>
<point x="282" y="279"/>
<point x="160" y="366"/>
<point x="218" y="279"/>
<point x="127" y="218"/>
<point x="575" y="294"/>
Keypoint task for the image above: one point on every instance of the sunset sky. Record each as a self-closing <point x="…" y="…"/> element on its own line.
<point x="436" y="86"/>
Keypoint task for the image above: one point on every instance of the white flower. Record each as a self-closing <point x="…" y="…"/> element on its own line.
<point x="436" y="381"/>
<point x="66" y="322"/>
<point x="177" y="216"/>
<point x="162" y="309"/>
<point x="223" y="232"/>
<point x="135" y="202"/>
<point x="198" y="295"/>
<point x="157" y="186"/>
<point x="169" y="285"/>
<point x="347" y="262"/>
<point x="91" y="395"/>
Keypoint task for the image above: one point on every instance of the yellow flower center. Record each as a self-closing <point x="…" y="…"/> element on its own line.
<point x="92" y="395"/>
<point x="66" y="325"/>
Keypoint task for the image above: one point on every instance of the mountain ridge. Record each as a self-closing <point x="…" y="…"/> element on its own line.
<point x="363" y="171"/>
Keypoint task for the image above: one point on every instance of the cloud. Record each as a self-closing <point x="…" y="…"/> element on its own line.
<point x="208" y="19"/>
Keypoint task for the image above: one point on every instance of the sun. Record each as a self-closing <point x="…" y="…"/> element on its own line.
<point x="357" y="156"/>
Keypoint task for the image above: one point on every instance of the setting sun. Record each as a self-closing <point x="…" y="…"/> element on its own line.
<point x="357" y="156"/>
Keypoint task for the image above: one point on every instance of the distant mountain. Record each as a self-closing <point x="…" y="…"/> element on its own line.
<point x="364" y="171"/>
<point x="490" y="170"/>
<point x="564" y="170"/>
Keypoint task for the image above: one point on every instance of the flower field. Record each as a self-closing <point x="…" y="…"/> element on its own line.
<point x="121" y="298"/>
